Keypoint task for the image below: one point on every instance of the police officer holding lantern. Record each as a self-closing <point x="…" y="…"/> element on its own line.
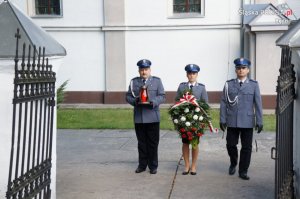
<point x="145" y="94"/>
<point x="240" y="111"/>
<point x="199" y="91"/>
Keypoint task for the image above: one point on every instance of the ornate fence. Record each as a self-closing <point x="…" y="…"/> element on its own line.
<point x="284" y="129"/>
<point x="32" y="126"/>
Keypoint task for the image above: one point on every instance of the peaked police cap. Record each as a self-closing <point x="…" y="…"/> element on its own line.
<point x="144" y="63"/>
<point x="192" y="68"/>
<point x="240" y="62"/>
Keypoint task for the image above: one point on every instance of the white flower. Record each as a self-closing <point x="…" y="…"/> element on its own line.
<point x="200" y="118"/>
<point x="195" y="117"/>
<point x="175" y="121"/>
<point x="183" y="118"/>
<point x="186" y="110"/>
<point x="188" y="124"/>
<point x="197" y="109"/>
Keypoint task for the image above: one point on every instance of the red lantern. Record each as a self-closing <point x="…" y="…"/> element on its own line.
<point x="144" y="95"/>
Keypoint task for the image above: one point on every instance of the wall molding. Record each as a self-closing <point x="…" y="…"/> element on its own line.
<point x="171" y="27"/>
<point x="72" y="28"/>
<point x="140" y="27"/>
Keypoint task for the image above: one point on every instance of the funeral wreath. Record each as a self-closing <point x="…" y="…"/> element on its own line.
<point x="191" y="117"/>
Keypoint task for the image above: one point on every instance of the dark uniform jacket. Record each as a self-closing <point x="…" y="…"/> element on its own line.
<point x="241" y="106"/>
<point x="156" y="95"/>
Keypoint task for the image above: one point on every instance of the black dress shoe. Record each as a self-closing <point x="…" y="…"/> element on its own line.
<point x="193" y="173"/>
<point x="139" y="170"/>
<point x="154" y="171"/>
<point x="231" y="170"/>
<point x="185" y="172"/>
<point x="244" y="176"/>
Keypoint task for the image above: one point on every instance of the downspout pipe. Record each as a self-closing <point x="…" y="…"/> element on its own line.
<point x="251" y="42"/>
<point x="104" y="46"/>
<point x="242" y="32"/>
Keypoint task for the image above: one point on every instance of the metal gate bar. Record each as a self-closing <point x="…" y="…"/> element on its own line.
<point x="284" y="128"/>
<point x="32" y="126"/>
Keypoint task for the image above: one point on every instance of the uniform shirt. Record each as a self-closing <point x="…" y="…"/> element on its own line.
<point x="198" y="90"/>
<point x="145" y="80"/>
<point x="156" y="95"/>
<point x="192" y="84"/>
<point x="247" y="111"/>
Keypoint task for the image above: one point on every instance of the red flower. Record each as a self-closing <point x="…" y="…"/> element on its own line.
<point x="183" y="135"/>
<point x="193" y="129"/>
<point x="190" y="138"/>
<point x="182" y="130"/>
<point x="199" y="134"/>
<point x="189" y="134"/>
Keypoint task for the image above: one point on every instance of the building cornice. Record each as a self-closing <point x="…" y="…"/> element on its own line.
<point x="72" y="28"/>
<point x="139" y="28"/>
<point x="170" y="27"/>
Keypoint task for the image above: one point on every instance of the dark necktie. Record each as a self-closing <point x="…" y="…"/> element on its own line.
<point x="191" y="87"/>
<point x="241" y="83"/>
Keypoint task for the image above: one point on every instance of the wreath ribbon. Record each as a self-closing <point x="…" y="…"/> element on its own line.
<point x="187" y="98"/>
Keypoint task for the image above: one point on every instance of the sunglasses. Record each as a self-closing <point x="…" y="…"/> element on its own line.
<point x="239" y="68"/>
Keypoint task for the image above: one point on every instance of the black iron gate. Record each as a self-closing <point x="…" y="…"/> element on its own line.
<point x="32" y="128"/>
<point x="284" y="128"/>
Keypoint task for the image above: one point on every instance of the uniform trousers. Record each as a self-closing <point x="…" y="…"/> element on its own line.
<point x="232" y="139"/>
<point x="148" y="138"/>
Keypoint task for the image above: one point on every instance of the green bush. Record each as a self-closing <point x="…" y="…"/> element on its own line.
<point x="60" y="93"/>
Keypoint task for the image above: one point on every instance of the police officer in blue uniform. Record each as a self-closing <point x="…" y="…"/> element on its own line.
<point x="199" y="92"/>
<point x="240" y="112"/>
<point x="146" y="116"/>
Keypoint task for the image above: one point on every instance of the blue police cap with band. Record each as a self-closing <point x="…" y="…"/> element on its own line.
<point x="192" y="68"/>
<point x="242" y="62"/>
<point x="144" y="63"/>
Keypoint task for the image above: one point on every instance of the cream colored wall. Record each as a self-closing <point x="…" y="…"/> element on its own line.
<point x="115" y="55"/>
<point x="115" y="61"/>
<point x="79" y="30"/>
<point x="114" y="12"/>
<point x="156" y="12"/>
<point x="145" y="29"/>
<point x="84" y="65"/>
<point x="213" y="50"/>
<point x="101" y="56"/>
<point x="268" y="57"/>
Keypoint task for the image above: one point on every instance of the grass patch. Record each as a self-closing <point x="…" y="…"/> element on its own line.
<point x="123" y="119"/>
<point x="94" y="119"/>
<point x="269" y="122"/>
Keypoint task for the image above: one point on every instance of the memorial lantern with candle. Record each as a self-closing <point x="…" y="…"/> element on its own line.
<point x="144" y="95"/>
